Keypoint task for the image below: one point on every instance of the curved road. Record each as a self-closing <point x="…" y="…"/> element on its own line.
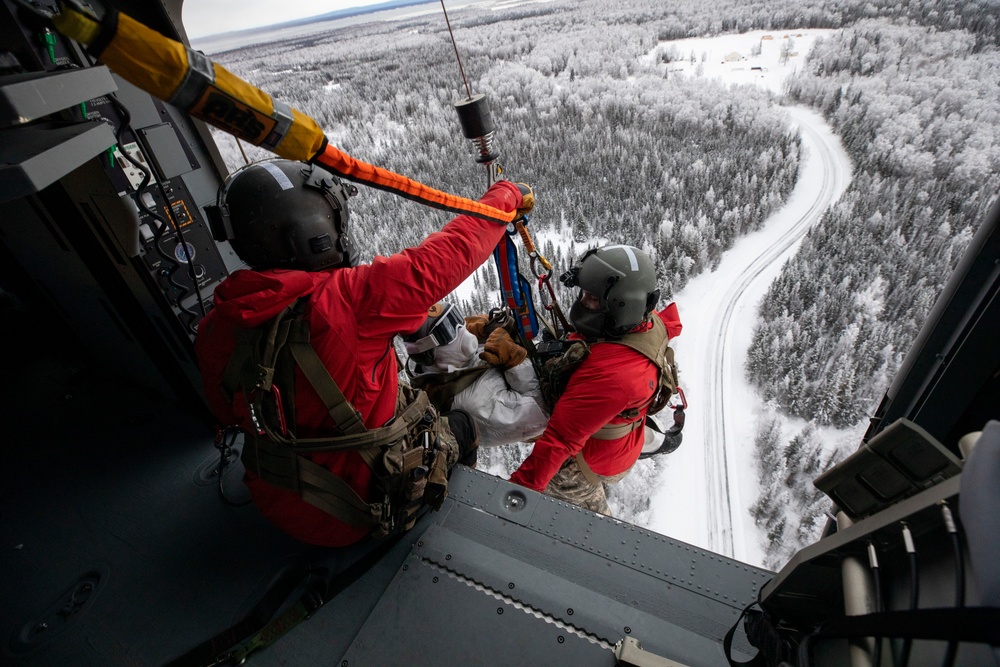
<point x="723" y="361"/>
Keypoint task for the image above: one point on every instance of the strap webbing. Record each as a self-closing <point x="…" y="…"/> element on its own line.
<point x="324" y="490"/>
<point x="615" y="431"/>
<point x="727" y="644"/>
<point x="260" y="630"/>
<point x="246" y="343"/>
<point x="965" y="624"/>
<point x="347" y="418"/>
<point x="258" y="617"/>
<point x="380" y="436"/>
<point x="588" y="471"/>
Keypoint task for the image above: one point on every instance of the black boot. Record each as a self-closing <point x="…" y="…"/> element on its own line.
<point x="459" y="426"/>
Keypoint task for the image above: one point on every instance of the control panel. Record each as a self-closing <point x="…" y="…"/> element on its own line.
<point x="103" y="189"/>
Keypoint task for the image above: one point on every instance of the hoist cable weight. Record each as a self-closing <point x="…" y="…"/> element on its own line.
<point x="477" y="126"/>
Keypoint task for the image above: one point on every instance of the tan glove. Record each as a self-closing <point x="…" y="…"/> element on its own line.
<point x="476" y="325"/>
<point x="501" y="350"/>
<point x="527" y="199"/>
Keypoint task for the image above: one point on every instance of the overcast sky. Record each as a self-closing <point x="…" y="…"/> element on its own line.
<point x="210" y="17"/>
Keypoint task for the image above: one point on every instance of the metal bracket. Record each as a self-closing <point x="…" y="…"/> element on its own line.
<point x="630" y="654"/>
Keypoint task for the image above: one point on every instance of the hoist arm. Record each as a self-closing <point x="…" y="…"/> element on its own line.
<point x="191" y="81"/>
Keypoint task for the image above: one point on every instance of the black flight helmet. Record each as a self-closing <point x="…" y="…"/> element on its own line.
<point x="623" y="279"/>
<point x="286" y="214"/>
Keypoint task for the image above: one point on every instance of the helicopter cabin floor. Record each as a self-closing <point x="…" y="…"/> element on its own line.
<point x="117" y="548"/>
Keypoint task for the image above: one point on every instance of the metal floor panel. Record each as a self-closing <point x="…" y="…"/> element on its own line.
<point x="115" y="545"/>
<point x="117" y="549"/>
<point x="479" y="588"/>
<point x="428" y="617"/>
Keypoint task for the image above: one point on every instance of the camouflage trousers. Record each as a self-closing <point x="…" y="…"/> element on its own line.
<point x="571" y="485"/>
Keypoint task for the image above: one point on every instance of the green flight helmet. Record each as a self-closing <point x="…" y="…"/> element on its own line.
<point x="624" y="280"/>
<point x="285" y="214"/>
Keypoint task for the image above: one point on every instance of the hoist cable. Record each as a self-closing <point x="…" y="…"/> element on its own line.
<point x="239" y="144"/>
<point x="468" y="90"/>
<point x="189" y="80"/>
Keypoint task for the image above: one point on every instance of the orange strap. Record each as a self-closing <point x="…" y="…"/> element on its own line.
<point x="173" y="72"/>
<point x="529" y="245"/>
<point x="341" y="163"/>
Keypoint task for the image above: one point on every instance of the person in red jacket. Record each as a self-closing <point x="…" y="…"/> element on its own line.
<point x="289" y="222"/>
<point x="595" y="433"/>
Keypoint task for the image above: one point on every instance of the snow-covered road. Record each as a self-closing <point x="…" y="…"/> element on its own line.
<point x="709" y="483"/>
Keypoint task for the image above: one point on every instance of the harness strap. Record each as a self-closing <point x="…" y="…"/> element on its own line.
<point x="242" y="354"/>
<point x="727" y="644"/>
<point x="345" y="415"/>
<point x="615" y="431"/>
<point x="324" y="490"/>
<point x="965" y="624"/>
<point x="368" y="439"/>
<point x="587" y="471"/>
<point x="260" y="628"/>
<point x="442" y="388"/>
<point x="281" y="464"/>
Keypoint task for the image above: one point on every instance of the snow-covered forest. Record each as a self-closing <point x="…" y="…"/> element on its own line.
<point x="618" y="149"/>
<point x="917" y="109"/>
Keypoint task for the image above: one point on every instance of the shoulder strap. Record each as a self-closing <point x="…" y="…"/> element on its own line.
<point x="442" y="388"/>
<point x="242" y="356"/>
<point x="651" y="343"/>
<point x="654" y="344"/>
<point x="345" y="415"/>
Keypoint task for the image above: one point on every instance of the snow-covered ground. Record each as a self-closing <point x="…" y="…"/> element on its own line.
<point x="710" y="482"/>
<point x="754" y="58"/>
<point x="707" y="486"/>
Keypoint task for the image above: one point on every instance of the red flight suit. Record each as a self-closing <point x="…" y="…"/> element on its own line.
<point x="613" y="378"/>
<point x="353" y="315"/>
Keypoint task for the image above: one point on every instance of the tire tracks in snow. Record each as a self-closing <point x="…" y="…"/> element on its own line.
<point x="720" y="479"/>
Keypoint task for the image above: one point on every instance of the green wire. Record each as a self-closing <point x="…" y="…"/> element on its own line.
<point x="49" y="39"/>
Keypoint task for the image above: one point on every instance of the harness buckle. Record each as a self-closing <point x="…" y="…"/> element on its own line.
<point x="265" y="376"/>
<point x="254" y="419"/>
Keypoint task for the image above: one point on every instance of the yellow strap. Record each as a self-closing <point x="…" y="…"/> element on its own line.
<point x="159" y="66"/>
<point x="76" y="25"/>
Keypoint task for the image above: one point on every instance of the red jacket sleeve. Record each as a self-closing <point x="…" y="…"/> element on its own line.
<point x="402" y="287"/>
<point x="593" y="397"/>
